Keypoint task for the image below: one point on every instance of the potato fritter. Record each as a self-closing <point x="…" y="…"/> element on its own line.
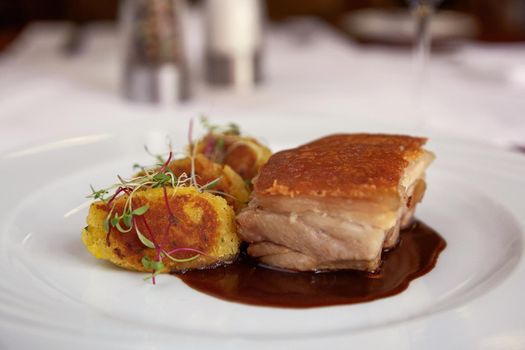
<point x="178" y="218"/>
<point x="245" y="155"/>
<point x="230" y="186"/>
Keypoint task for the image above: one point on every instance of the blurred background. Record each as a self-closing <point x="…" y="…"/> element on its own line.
<point x="496" y="20"/>
<point x="454" y="66"/>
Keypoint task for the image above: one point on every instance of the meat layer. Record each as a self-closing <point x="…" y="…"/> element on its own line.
<point x="324" y="215"/>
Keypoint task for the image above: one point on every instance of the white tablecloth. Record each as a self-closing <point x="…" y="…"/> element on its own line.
<point x="311" y="71"/>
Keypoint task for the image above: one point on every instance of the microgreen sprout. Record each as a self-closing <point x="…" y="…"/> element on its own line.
<point x="211" y="184"/>
<point x="228" y="129"/>
<point x="98" y="195"/>
<point x="158" y="157"/>
<point x="155" y="265"/>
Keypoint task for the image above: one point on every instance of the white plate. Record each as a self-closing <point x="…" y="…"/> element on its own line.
<point x="53" y="294"/>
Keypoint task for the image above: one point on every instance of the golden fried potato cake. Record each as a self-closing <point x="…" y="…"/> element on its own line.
<point x="182" y="222"/>
<point x="245" y="155"/>
<point x="230" y="186"/>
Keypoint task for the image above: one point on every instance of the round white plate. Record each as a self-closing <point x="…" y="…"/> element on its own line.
<point x="54" y="294"/>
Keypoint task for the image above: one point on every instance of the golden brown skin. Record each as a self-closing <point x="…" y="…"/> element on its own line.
<point x="244" y="155"/>
<point x="200" y="221"/>
<point x="231" y="186"/>
<point x="361" y="166"/>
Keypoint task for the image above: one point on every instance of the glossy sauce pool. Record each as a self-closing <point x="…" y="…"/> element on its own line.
<point x="247" y="282"/>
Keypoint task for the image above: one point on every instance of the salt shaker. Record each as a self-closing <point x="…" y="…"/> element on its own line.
<point x="155" y="67"/>
<point x="234" y="33"/>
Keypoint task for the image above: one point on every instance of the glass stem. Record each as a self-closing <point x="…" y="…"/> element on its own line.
<point x="422" y="13"/>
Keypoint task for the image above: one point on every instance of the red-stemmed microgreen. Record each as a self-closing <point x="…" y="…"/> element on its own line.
<point x="214" y="148"/>
<point x="159" y="157"/>
<point x="214" y="144"/>
<point x="155" y="265"/>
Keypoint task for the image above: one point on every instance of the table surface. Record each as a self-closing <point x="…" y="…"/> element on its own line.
<point x="477" y="91"/>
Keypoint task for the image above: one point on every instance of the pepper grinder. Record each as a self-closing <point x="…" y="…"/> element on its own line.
<point x="155" y="67"/>
<point x="234" y="32"/>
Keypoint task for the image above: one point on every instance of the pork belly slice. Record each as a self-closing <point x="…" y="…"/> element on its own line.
<point x="335" y="203"/>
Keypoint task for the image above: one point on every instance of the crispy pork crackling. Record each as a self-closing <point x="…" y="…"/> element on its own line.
<point x="335" y="203"/>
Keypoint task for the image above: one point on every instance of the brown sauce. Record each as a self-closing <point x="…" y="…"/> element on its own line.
<point x="246" y="282"/>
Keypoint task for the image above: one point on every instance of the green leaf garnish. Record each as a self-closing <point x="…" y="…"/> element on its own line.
<point x="154" y="265"/>
<point x="98" y="195"/>
<point x="163" y="179"/>
<point x="127" y="218"/>
<point x="234" y="129"/>
<point x="106" y="225"/>
<point x="145" y="240"/>
<point x="140" y="211"/>
<point x="121" y="229"/>
<point x="114" y="221"/>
